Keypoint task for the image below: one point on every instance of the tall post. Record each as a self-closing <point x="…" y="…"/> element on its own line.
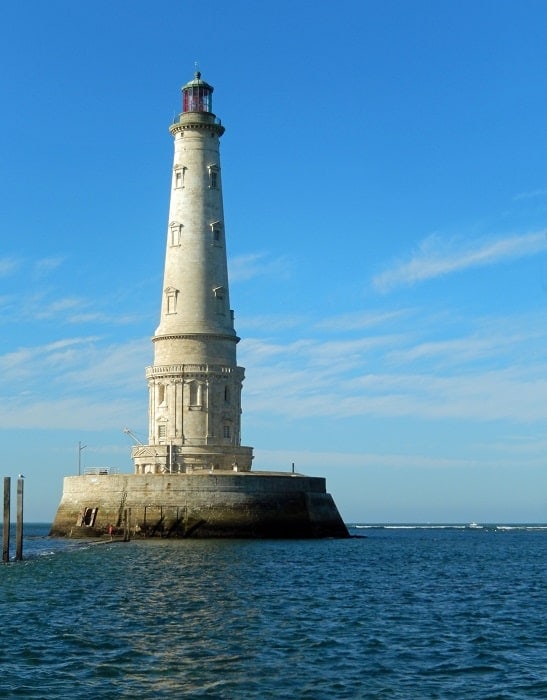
<point x="80" y="448"/>
<point x="19" y="526"/>
<point x="5" y="534"/>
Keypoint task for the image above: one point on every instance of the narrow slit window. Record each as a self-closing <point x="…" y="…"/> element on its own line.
<point x="213" y="177"/>
<point x="219" y="300"/>
<point x="216" y="232"/>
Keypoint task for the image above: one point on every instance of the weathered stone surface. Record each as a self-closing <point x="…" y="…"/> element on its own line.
<point x="201" y="505"/>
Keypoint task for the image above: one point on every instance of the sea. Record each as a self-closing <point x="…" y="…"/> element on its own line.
<point x="398" y="612"/>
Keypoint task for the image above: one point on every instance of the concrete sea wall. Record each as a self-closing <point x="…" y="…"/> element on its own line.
<point x="199" y="505"/>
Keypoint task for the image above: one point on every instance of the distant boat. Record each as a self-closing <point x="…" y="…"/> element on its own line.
<point x="474" y="526"/>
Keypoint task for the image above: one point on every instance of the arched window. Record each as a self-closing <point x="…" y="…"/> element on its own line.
<point x="196" y="394"/>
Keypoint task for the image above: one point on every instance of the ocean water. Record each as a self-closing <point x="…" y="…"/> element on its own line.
<point x="401" y="612"/>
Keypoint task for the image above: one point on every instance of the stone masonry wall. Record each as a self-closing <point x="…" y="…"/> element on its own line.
<point x="199" y="505"/>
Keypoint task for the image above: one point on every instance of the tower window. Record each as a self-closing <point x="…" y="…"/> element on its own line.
<point x="171" y="300"/>
<point x="213" y="177"/>
<point x="161" y="394"/>
<point x="219" y="299"/>
<point x="226" y="431"/>
<point x="175" y="231"/>
<point x="162" y="431"/>
<point x="196" y="395"/>
<point x="216" y="230"/>
<point x="179" y="177"/>
<point x="227" y="394"/>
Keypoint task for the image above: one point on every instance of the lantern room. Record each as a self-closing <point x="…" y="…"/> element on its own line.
<point x="197" y="95"/>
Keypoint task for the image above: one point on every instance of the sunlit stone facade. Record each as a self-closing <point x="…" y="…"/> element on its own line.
<point x="195" y="383"/>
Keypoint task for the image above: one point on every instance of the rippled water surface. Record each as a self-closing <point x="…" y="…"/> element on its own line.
<point x="403" y="613"/>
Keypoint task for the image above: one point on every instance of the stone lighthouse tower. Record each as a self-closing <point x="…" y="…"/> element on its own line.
<point x="195" y="384"/>
<point x="194" y="478"/>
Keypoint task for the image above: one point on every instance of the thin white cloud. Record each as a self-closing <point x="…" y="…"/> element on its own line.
<point x="34" y="361"/>
<point x="8" y="266"/>
<point x="437" y="257"/>
<point x="357" y="320"/>
<point x="533" y="194"/>
<point x="479" y="396"/>
<point x="494" y="370"/>
<point x="490" y="343"/>
<point x="308" y="461"/>
<point x="245" y="267"/>
<point x="74" y="382"/>
<point x="269" y="323"/>
<point x="40" y="268"/>
<point x="76" y="413"/>
<point x="59" y="307"/>
<point x="45" y="266"/>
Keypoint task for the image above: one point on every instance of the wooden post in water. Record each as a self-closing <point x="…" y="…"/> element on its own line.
<point x="19" y="526"/>
<point x="127" y="533"/>
<point x="5" y="534"/>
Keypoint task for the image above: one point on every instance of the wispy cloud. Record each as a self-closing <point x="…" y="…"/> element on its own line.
<point x="8" y="266"/>
<point x="308" y="461"/>
<point x="437" y="256"/>
<point x="490" y="369"/>
<point x="532" y="194"/>
<point x="39" y="268"/>
<point x="269" y="323"/>
<point x="514" y="395"/>
<point x="59" y="307"/>
<point x="79" y="412"/>
<point x="358" y="320"/>
<point x="245" y="267"/>
<point x="45" y="266"/>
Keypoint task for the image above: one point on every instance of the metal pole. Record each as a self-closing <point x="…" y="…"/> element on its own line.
<point x="5" y="534"/>
<point x="80" y="448"/>
<point x="19" y="526"/>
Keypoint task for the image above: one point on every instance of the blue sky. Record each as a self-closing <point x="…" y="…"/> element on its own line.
<point x="385" y="193"/>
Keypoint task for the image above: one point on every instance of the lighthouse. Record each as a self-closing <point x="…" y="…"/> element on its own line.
<point x="193" y="479"/>
<point x="195" y="384"/>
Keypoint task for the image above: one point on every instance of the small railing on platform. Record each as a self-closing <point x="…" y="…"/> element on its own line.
<point x="100" y="471"/>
